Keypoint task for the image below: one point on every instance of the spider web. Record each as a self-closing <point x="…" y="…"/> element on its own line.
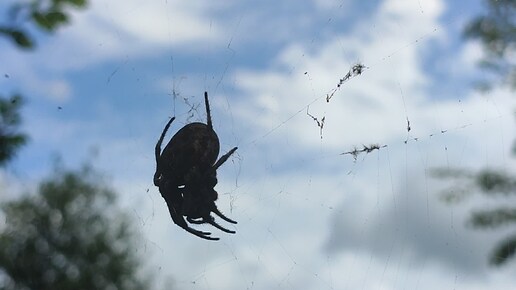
<point x="325" y="202"/>
<point x="331" y="202"/>
<point x="341" y="113"/>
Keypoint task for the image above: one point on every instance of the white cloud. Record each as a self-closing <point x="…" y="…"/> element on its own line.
<point x="58" y="90"/>
<point x="416" y="235"/>
<point x="376" y="94"/>
<point x="291" y="192"/>
<point x="111" y="30"/>
<point x="291" y="185"/>
<point x="468" y="58"/>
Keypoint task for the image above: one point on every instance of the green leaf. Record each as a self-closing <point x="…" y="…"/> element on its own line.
<point x="504" y="251"/>
<point x="496" y="32"/>
<point x="41" y="20"/>
<point x="10" y="139"/>
<point x="18" y="36"/>
<point x="491" y="181"/>
<point x="57" y="17"/>
<point x="51" y="20"/>
<point x="493" y="218"/>
<point x="78" y="3"/>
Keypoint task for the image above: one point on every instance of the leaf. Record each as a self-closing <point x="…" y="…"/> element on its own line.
<point x="51" y="20"/>
<point x="78" y="3"/>
<point x="496" y="32"/>
<point x="10" y="139"/>
<point x="493" y="218"/>
<point x="57" y="18"/>
<point x="18" y="36"/>
<point x="491" y="181"/>
<point x="503" y="251"/>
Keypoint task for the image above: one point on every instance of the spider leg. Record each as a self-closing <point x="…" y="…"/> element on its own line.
<point x="157" y="151"/>
<point x="217" y="212"/>
<point x="215" y="224"/>
<point x="194" y="221"/>
<point x="200" y="234"/>
<point x="180" y="221"/>
<point x="210" y="221"/>
<point x="224" y="158"/>
<point x="208" y="114"/>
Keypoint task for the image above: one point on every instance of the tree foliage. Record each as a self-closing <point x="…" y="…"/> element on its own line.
<point x="494" y="185"/>
<point x="496" y="31"/>
<point x="10" y="138"/>
<point x="46" y="15"/>
<point x="68" y="235"/>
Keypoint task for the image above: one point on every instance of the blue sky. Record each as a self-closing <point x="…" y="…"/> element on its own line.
<point x="309" y="217"/>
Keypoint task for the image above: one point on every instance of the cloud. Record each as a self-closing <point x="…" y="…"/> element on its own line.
<point x="308" y="217"/>
<point x="114" y="30"/>
<point x="369" y="107"/>
<point x="415" y="232"/>
<point x="416" y="226"/>
<point x="107" y="31"/>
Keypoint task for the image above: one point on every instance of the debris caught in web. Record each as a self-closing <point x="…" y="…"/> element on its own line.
<point x="354" y="71"/>
<point x="192" y="108"/>
<point x="320" y="124"/>
<point x="365" y="149"/>
<point x="408" y="131"/>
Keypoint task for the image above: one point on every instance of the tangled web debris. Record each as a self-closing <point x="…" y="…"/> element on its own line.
<point x="365" y="149"/>
<point x="354" y="71"/>
<point x="192" y="108"/>
<point x="320" y="124"/>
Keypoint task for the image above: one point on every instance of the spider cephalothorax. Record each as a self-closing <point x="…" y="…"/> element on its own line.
<point x="186" y="174"/>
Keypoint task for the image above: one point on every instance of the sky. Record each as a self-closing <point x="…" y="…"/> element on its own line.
<point x="309" y="216"/>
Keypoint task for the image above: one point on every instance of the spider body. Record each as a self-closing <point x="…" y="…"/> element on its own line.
<point x="186" y="174"/>
<point x="194" y="145"/>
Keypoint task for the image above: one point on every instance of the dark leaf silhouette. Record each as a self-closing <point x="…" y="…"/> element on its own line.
<point x="493" y="218"/>
<point x="496" y="31"/>
<point x="492" y="184"/>
<point x="492" y="181"/>
<point x="10" y="139"/>
<point x="504" y="251"/>
<point x="19" y="37"/>
<point x="46" y="15"/>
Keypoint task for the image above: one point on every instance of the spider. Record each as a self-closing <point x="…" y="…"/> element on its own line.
<point x="186" y="174"/>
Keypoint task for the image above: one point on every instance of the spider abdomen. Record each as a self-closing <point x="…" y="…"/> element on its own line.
<point x="194" y="145"/>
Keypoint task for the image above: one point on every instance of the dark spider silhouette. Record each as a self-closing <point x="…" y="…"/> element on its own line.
<point x="186" y="174"/>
